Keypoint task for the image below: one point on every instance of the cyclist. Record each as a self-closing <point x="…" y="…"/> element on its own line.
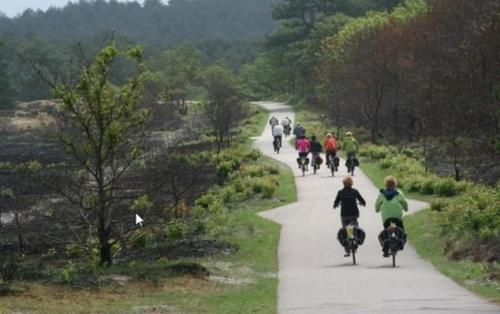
<point x="350" y="146"/>
<point x="287" y="125"/>
<point x="303" y="146"/>
<point x="273" y="122"/>
<point x="278" y="136"/>
<point x="391" y="203"/>
<point x="316" y="149"/>
<point x="299" y="131"/>
<point x="330" y="148"/>
<point x="347" y="198"/>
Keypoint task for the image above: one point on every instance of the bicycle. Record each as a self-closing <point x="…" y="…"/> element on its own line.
<point x="351" y="164"/>
<point x="333" y="163"/>
<point x="277" y="144"/>
<point x="314" y="163"/>
<point x="352" y="239"/>
<point x="303" y="165"/>
<point x="287" y="130"/>
<point x="395" y="239"/>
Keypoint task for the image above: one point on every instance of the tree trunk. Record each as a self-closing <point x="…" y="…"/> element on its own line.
<point x="105" y="247"/>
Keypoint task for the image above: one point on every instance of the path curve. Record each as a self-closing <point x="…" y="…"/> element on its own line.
<point x="314" y="276"/>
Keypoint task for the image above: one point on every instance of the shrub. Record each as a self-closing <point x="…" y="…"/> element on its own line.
<point x="414" y="153"/>
<point x="257" y="186"/>
<point x="206" y="200"/>
<point x="445" y="187"/>
<point x="177" y="230"/>
<point x="225" y="168"/>
<point x="227" y="193"/>
<point x="439" y="204"/>
<point x="272" y="169"/>
<point x="268" y="189"/>
<point x="427" y="185"/>
<point x="254" y="171"/>
<point x="413" y="183"/>
<point x="386" y="163"/>
<point x="141" y="238"/>
<point x="254" y="155"/>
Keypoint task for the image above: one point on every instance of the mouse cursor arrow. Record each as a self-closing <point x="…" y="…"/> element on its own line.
<point x="138" y="220"/>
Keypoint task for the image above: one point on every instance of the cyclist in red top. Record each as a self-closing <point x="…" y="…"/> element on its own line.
<point x="330" y="148"/>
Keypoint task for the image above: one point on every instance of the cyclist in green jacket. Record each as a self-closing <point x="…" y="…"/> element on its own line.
<point x="350" y="145"/>
<point x="391" y="203"/>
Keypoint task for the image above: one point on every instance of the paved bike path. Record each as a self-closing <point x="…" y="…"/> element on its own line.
<point x="314" y="276"/>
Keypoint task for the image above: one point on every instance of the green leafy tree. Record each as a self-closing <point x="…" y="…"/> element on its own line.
<point x="224" y="106"/>
<point x="101" y="127"/>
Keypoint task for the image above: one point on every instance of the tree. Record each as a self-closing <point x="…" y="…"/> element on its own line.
<point x="224" y="106"/>
<point x="180" y="68"/>
<point x="102" y="128"/>
<point x="6" y="87"/>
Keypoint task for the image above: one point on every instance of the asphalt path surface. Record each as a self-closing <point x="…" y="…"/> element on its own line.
<point x="315" y="277"/>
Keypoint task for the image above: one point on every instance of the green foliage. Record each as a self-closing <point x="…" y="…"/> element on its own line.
<point x="254" y="154"/>
<point x="177" y="230"/>
<point x="103" y="133"/>
<point x="224" y="105"/>
<point x="141" y="238"/>
<point x="473" y="215"/>
<point x="439" y="204"/>
<point x="446" y="187"/>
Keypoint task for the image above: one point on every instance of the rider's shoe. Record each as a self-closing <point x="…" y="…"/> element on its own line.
<point x="347" y="254"/>
<point x="386" y="254"/>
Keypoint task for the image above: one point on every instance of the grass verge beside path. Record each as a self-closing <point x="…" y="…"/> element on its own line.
<point x="242" y="282"/>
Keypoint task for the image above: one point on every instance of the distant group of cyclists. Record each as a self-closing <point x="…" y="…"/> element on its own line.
<point x="306" y="146"/>
<point x="391" y="202"/>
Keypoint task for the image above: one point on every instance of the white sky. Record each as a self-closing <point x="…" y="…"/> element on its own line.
<point x="14" y="7"/>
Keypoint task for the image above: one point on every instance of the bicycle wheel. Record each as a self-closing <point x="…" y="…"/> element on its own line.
<point x="393" y="258"/>
<point x="353" y="257"/>
<point x="332" y="168"/>
<point x="303" y="170"/>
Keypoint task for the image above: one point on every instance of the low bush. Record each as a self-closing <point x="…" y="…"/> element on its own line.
<point x="473" y="216"/>
<point x="254" y="171"/>
<point x="445" y="187"/>
<point x="387" y="163"/>
<point x="253" y="154"/>
<point x="141" y="238"/>
<point x="427" y="186"/>
<point x="269" y="188"/>
<point x="177" y="230"/>
<point x="439" y="204"/>
<point x="225" y="168"/>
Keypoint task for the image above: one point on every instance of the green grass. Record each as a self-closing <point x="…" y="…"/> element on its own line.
<point x="252" y="269"/>
<point x="422" y="229"/>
